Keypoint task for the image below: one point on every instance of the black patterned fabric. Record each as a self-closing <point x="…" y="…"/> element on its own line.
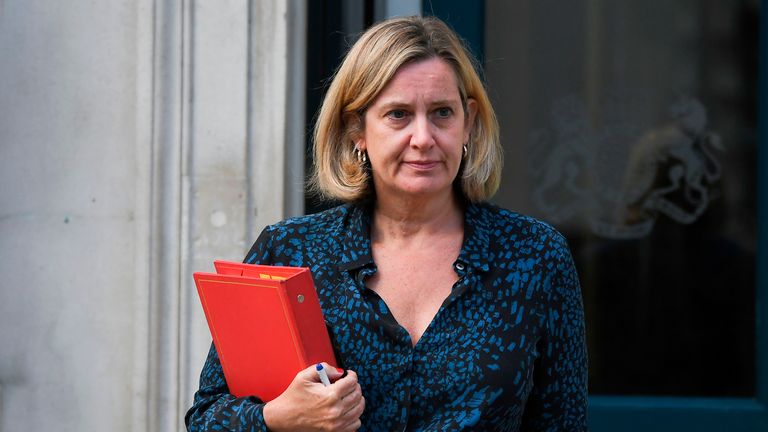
<point x="505" y="352"/>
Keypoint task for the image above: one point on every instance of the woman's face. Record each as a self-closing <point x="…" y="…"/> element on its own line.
<point x="414" y="131"/>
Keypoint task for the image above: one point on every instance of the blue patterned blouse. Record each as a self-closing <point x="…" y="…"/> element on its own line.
<point x="505" y="352"/>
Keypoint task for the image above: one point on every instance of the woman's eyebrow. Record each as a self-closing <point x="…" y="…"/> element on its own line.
<point x="395" y="104"/>
<point x="450" y="101"/>
<point x="398" y="103"/>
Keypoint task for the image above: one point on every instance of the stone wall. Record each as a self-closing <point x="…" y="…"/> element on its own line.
<point x="138" y="141"/>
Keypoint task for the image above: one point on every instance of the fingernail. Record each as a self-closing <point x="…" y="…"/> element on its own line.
<point x="340" y="370"/>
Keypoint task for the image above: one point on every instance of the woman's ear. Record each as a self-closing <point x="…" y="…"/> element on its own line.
<point x="359" y="143"/>
<point x="354" y="126"/>
<point x="469" y="118"/>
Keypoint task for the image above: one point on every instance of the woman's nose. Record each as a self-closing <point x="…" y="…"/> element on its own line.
<point x="422" y="136"/>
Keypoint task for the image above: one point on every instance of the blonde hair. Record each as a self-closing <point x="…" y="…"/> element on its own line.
<point x="370" y="64"/>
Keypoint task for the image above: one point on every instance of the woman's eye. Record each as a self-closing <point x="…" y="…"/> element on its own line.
<point x="444" y="112"/>
<point x="396" y="114"/>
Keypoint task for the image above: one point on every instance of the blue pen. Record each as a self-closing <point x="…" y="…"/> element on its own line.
<point x="323" y="375"/>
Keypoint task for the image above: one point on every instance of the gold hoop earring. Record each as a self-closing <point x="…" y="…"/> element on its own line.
<point x="465" y="150"/>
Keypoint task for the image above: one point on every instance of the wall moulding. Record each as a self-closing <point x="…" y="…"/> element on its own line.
<point x="220" y="104"/>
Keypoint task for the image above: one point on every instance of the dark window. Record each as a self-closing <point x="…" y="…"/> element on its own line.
<point x="631" y="127"/>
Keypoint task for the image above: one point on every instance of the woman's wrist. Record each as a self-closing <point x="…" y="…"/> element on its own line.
<point x="272" y="416"/>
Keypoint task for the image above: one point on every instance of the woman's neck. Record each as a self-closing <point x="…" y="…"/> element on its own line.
<point x="406" y="217"/>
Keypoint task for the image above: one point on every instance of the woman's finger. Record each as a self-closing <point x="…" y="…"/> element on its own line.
<point x="309" y="374"/>
<point x="354" y="414"/>
<point x="352" y="426"/>
<point x="351" y="400"/>
<point x="332" y="372"/>
<point x="353" y="390"/>
<point x="357" y="410"/>
<point x="344" y="386"/>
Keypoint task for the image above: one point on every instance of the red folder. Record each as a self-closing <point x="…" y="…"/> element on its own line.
<point x="266" y="324"/>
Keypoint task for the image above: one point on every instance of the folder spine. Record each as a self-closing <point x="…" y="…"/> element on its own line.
<point x="292" y="320"/>
<point x="311" y="327"/>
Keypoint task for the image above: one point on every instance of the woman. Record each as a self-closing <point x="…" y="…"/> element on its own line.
<point x="448" y="313"/>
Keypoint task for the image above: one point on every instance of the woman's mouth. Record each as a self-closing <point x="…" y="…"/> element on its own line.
<point x="421" y="165"/>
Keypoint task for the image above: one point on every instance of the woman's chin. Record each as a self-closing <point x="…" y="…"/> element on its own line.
<point x="425" y="190"/>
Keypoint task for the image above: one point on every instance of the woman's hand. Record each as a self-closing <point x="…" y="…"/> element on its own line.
<point x="307" y="405"/>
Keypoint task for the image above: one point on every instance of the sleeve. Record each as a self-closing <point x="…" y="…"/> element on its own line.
<point x="214" y="408"/>
<point x="558" y="401"/>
